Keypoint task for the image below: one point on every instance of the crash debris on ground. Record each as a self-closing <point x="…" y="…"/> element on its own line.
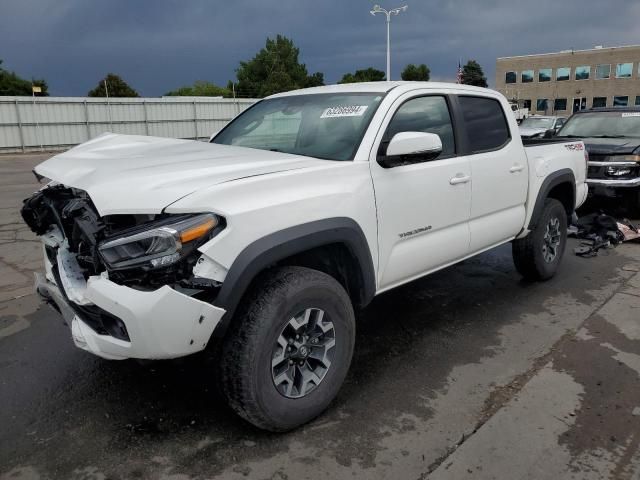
<point x="598" y="231"/>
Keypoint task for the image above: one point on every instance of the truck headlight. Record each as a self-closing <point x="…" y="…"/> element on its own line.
<point x="160" y="245"/>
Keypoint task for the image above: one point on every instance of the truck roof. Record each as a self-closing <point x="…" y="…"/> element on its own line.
<point x="610" y="109"/>
<point x="380" y="87"/>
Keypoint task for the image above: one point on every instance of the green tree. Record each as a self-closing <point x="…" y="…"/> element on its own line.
<point x="12" y="84"/>
<point x="472" y="74"/>
<point x="116" y="86"/>
<point x="315" y="80"/>
<point x="274" y="69"/>
<point x="366" y="75"/>
<point x="200" y="89"/>
<point x="416" y="73"/>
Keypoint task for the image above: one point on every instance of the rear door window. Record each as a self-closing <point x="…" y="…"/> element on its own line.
<point x="485" y="123"/>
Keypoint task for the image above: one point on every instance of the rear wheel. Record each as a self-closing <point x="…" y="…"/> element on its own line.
<point x="538" y="255"/>
<point x="289" y="349"/>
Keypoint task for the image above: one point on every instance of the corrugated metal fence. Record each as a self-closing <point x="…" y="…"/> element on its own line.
<point x="28" y="124"/>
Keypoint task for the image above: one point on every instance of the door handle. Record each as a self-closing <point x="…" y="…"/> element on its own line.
<point x="460" y="178"/>
<point x="516" y="168"/>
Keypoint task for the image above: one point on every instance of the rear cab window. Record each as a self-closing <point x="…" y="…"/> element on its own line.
<point x="485" y="123"/>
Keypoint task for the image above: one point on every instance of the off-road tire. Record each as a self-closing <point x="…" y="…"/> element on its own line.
<point x="246" y="361"/>
<point x="528" y="253"/>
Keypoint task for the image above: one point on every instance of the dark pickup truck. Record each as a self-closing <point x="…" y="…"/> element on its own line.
<point x="612" y="138"/>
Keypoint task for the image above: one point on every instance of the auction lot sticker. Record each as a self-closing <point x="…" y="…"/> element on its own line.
<point x="344" y="111"/>
<point x="631" y="114"/>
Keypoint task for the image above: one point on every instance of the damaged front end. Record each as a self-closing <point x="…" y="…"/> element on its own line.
<point x="120" y="278"/>
<point x="141" y="251"/>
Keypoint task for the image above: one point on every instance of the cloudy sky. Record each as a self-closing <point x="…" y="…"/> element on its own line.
<point x="158" y="45"/>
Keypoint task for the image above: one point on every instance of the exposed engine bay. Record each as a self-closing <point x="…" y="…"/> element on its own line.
<point x="140" y="251"/>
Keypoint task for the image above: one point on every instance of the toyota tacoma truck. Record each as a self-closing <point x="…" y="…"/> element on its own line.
<point x="301" y="210"/>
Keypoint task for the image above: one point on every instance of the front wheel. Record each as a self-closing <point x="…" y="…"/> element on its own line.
<point x="289" y="349"/>
<point x="538" y="255"/>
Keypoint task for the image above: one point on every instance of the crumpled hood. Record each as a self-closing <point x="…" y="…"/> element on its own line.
<point x="611" y="146"/>
<point x="530" y="132"/>
<point x="130" y="173"/>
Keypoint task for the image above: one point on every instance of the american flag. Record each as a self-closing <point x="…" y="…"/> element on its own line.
<point x="459" y="75"/>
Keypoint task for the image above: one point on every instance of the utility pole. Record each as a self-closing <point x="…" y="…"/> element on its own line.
<point x="106" y="92"/>
<point x="36" y="89"/>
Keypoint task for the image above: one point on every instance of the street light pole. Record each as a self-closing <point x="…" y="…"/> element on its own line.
<point x="388" y="13"/>
<point x="388" y="47"/>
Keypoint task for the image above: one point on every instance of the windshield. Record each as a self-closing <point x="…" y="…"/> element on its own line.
<point x="327" y="126"/>
<point x="602" y="124"/>
<point x="533" y="122"/>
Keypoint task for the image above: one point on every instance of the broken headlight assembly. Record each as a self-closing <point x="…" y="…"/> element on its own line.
<point x="159" y="244"/>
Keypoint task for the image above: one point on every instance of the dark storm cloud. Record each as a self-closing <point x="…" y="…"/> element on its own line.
<point x="162" y="44"/>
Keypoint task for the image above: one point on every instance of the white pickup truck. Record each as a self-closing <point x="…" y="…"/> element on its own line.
<point x="304" y="208"/>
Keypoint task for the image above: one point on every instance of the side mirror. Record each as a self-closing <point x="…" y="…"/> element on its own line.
<point x="411" y="147"/>
<point x="550" y="133"/>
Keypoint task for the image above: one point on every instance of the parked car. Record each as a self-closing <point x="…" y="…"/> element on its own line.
<point x="536" y="126"/>
<point x="612" y="138"/>
<point x="301" y="210"/>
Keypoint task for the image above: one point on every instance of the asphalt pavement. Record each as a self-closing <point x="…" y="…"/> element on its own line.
<point x="468" y="373"/>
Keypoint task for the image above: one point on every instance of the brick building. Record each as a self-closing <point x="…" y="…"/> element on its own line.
<point x="564" y="82"/>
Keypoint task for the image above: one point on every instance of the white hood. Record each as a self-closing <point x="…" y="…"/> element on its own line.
<point x="138" y="174"/>
<point x="530" y="132"/>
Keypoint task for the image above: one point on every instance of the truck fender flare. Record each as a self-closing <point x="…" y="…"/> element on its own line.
<point x="554" y="179"/>
<point x="276" y="246"/>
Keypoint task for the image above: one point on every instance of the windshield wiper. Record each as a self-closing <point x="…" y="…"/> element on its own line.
<point x="608" y="136"/>
<point x="569" y="136"/>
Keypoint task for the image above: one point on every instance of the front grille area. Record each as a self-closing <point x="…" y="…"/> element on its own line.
<point x="596" y="173"/>
<point x="599" y="172"/>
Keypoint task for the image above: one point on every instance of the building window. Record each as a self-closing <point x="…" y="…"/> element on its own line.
<point x="563" y="74"/>
<point x="624" y="70"/>
<point x="511" y="77"/>
<point x="541" y="104"/>
<point x="621" y="101"/>
<point x="544" y="75"/>
<point x="560" y="104"/>
<point x="527" y="76"/>
<point x="637" y="101"/>
<point x="603" y="72"/>
<point x="599" y="102"/>
<point x="527" y="104"/>
<point x="582" y="73"/>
